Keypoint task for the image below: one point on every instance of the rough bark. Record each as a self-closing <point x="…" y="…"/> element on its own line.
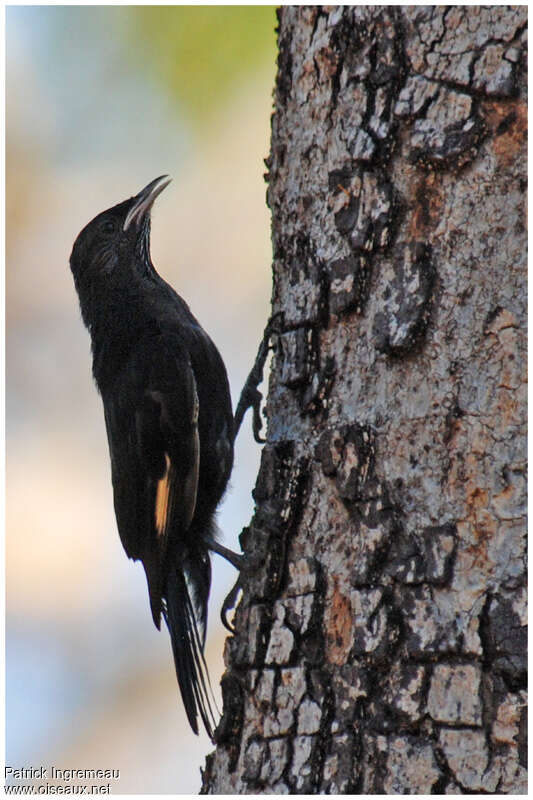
<point x="379" y="644"/>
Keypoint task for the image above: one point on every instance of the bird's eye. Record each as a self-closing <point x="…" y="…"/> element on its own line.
<point x="108" y="226"/>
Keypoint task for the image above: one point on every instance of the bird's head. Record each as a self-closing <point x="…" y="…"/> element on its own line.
<point x="117" y="237"/>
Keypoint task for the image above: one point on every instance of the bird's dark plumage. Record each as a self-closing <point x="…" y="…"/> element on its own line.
<point x="169" y="424"/>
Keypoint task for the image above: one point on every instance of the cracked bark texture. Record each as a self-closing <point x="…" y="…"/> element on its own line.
<point x="379" y="643"/>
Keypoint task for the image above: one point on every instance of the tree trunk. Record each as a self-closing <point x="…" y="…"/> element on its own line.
<point x="379" y="643"/>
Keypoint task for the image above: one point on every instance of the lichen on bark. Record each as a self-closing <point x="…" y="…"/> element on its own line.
<point x="379" y="644"/>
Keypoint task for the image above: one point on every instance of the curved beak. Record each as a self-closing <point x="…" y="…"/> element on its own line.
<point x="145" y="200"/>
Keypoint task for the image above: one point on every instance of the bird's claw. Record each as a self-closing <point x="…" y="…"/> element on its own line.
<point x="257" y="421"/>
<point x="229" y="604"/>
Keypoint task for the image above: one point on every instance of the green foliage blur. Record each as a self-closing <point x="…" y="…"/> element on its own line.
<point x="185" y="46"/>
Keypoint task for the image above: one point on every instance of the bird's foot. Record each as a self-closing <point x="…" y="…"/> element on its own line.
<point x="237" y="560"/>
<point x="229" y="604"/>
<point x="245" y="565"/>
<point x="251" y="396"/>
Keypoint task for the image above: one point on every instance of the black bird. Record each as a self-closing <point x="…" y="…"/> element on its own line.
<point x="169" y="425"/>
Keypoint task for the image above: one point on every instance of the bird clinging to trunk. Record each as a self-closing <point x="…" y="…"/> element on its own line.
<point x="169" y="425"/>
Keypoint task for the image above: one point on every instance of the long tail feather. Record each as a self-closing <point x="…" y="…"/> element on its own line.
<point x="187" y="647"/>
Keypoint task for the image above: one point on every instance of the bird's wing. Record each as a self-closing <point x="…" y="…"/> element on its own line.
<point x="151" y="415"/>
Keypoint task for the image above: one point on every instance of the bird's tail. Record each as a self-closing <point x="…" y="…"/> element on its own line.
<point x="185" y="612"/>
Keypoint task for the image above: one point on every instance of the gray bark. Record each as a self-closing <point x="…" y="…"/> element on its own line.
<point x="379" y="644"/>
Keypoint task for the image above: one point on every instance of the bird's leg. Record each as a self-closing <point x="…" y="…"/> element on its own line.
<point x="250" y="395"/>
<point x="235" y="559"/>
<point x="248" y="565"/>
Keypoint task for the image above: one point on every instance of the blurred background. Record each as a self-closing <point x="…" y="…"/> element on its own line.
<point x="101" y="100"/>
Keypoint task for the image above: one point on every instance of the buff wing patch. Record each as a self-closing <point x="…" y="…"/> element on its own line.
<point x="163" y="500"/>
